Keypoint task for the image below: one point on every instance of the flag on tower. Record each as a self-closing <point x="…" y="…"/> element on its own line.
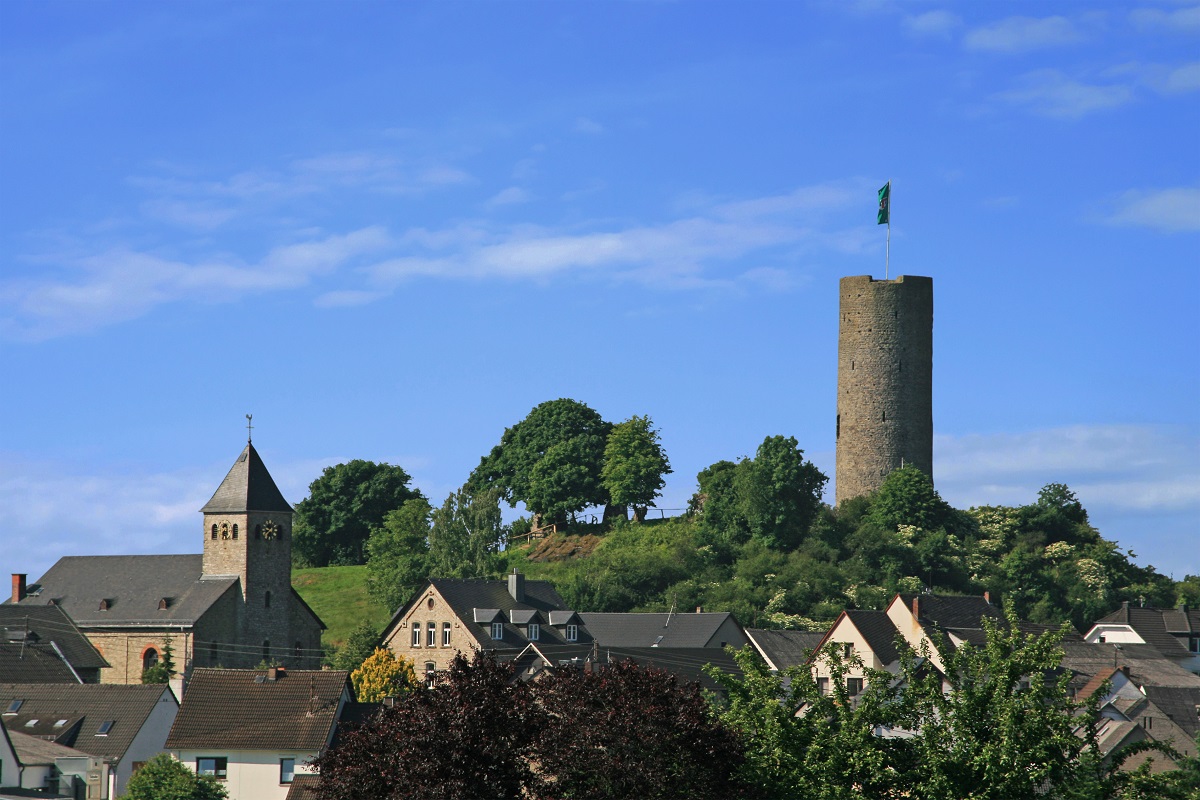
<point x="885" y="204"/>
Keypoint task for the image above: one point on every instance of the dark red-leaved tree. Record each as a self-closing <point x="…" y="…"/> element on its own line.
<point x="464" y="739"/>
<point x="628" y="731"/>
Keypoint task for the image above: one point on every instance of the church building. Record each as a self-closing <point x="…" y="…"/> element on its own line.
<point x="232" y="605"/>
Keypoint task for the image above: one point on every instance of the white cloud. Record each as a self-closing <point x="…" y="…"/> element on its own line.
<point x="1182" y="79"/>
<point x="940" y="24"/>
<point x="1183" y="20"/>
<point x="588" y="126"/>
<point x="513" y="195"/>
<point x="1169" y="210"/>
<point x="1114" y="467"/>
<point x="1022" y="34"/>
<point x="1050" y="93"/>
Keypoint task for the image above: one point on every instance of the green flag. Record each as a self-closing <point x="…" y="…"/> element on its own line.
<point x="885" y="204"/>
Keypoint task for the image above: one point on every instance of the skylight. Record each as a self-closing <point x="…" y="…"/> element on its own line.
<point x="105" y="727"/>
<point x="14" y="706"/>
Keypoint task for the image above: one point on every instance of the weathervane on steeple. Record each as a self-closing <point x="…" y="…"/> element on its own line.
<point x="249" y="427"/>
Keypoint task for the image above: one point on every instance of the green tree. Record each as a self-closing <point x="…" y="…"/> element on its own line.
<point x="383" y="674"/>
<point x="467" y="535"/>
<point x="550" y="461"/>
<point x="164" y="669"/>
<point x="907" y="497"/>
<point x="634" y="465"/>
<point x="398" y="554"/>
<point x="344" y="505"/>
<point x="779" y="492"/>
<point x="164" y="778"/>
<point x="359" y="646"/>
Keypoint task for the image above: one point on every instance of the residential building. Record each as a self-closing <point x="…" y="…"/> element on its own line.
<point x="256" y="730"/>
<point x="231" y="605"/>
<point x="1174" y="632"/>
<point x="716" y="630"/>
<point x="867" y="640"/>
<point x="123" y="726"/>
<point x="41" y="644"/>
<point x="783" y="649"/>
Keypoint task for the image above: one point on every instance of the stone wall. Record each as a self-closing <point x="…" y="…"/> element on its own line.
<point x="885" y="380"/>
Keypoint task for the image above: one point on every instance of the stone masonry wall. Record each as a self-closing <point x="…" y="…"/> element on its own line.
<point x="885" y="380"/>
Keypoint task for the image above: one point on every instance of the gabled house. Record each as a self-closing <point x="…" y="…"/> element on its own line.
<point x="869" y="635"/>
<point x="231" y="605"/>
<point x="1174" y="632"/>
<point x="449" y="615"/>
<point x="1131" y="712"/>
<point x="123" y="726"/>
<point x="781" y="649"/>
<point x="41" y="644"/>
<point x="256" y="730"/>
<point x="10" y="767"/>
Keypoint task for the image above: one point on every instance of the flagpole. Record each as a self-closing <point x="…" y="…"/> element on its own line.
<point x="887" y="253"/>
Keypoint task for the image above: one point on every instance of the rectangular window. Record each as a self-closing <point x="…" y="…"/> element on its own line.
<point x="854" y="686"/>
<point x="535" y="631"/>
<point x="823" y="685"/>
<point x="497" y="630"/>
<point x="287" y="770"/>
<point x="431" y="635"/>
<point x="445" y="634"/>
<point x="572" y="633"/>
<point x="217" y="767"/>
<point x="847" y="650"/>
<point x="416" y="634"/>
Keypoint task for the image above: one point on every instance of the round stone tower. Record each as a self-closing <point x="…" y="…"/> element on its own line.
<point x="885" y="381"/>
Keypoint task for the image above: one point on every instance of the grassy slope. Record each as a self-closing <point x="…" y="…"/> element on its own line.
<point x="339" y="596"/>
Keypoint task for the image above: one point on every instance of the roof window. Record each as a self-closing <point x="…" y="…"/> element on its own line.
<point x="31" y="723"/>
<point x="105" y="727"/>
<point x="14" y="706"/>
<point x="60" y="723"/>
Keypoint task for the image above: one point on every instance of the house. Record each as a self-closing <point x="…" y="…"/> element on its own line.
<point x="41" y="644"/>
<point x="782" y="649"/>
<point x="869" y="635"/>
<point x="256" y="730"/>
<point x="452" y="615"/>
<point x="52" y="769"/>
<point x="123" y="726"/>
<point x="10" y="767"/>
<point x="231" y="605"/>
<point x="1174" y="632"/>
<point x="672" y="630"/>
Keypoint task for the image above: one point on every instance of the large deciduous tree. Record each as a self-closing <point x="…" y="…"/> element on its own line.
<point x="333" y="523"/>
<point x="551" y="461"/>
<point x="398" y="554"/>
<point x="467" y="534"/>
<point x="635" y="465"/>
<point x="165" y="778"/>
<point x="383" y="675"/>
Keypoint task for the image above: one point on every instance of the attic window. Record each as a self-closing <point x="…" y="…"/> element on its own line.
<point x="31" y="723"/>
<point x="106" y="604"/>
<point x="60" y="723"/>
<point x="14" y="706"/>
<point x="105" y="727"/>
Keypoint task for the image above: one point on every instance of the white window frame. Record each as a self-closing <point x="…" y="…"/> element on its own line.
<point x="431" y="634"/>
<point x="416" y="634"/>
<point x="534" y="631"/>
<point x="572" y="632"/>
<point x="445" y="634"/>
<point x="497" y="631"/>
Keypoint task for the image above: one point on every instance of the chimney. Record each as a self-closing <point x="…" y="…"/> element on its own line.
<point x="987" y="598"/>
<point x="516" y="586"/>
<point x="917" y="608"/>
<point x="18" y="587"/>
<point x="275" y="673"/>
<point x="699" y="609"/>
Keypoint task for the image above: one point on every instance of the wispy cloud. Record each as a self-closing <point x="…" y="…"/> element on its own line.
<point x="939" y="24"/>
<point x="1118" y="467"/>
<point x="1022" y="34"/>
<point x="1169" y="210"/>
<point x="588" y="126"/>
<point x="510" y="196"/>
<point x="1050" y="93"/>
<point x="1182" y="20"/>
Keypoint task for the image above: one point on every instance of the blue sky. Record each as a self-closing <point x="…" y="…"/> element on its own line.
<point x="388" y="230"/>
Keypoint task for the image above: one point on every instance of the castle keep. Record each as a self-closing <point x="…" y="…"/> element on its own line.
<point x="885" y="380"/>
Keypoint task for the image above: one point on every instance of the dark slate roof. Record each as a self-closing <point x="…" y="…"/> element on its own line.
<point x="32" y="664"/>
<point x="1180" y="704"/>
<point x="241" y="709"/>
<point x="686" y="663"/>
<point x="247" y="487"/>
<point x="1165" y="628"/>
<point x="50" y="623"/>
<point x="304" y="787"/>
<point x="1147" y="666"/>
<point x="952" y="611"/>
<point x="84" y="706"/>
<point x="784" y="649"/>
<point x="133" y="585"/>
<point x="877" y="628"/>
<point x="657" y="629"/>
<point x="465" y="595"/>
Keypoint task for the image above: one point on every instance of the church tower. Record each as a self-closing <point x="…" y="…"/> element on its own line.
<point x="885" y="381"/>
<point x="248" y="534"/>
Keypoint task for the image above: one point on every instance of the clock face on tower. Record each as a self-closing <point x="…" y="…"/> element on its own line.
<point x="270" y="530"/>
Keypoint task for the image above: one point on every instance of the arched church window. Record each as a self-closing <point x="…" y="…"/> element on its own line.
<point x="224" y="530"/>
<point x="267" y="600"/>
<point x="267" y="650"/>
<point x="149" y="658"/>
<point x="214" y="530"/>
<point x="235" y="530"/>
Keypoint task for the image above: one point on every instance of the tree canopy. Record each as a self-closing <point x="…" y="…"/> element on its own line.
<point x="466" y="535"/>
<point x="551" y="461"/>
<point x="398" y="554"/>
<point x="635" y="464"/>
<point x="165" y="778"/>
<point x="332" y="525"/>
<point x="383" y="674"/>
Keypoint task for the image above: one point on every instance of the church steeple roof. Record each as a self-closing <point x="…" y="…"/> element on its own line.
<point x="247" y="487"/>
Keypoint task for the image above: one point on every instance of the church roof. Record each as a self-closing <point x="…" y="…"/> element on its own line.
<point x="247" y="487"/>
<point x="101" y="591"/>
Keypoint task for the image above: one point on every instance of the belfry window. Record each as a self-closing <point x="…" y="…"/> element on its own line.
<point x="267" y="600"/>
<point x="214" y="530"/>
<point x="235" y="530"/>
